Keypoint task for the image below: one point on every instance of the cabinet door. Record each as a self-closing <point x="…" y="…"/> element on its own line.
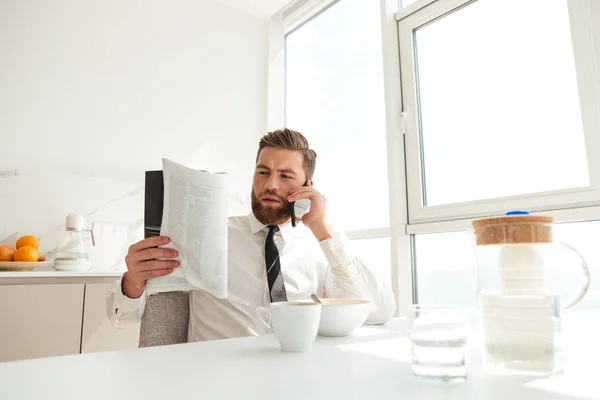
<point x="40" y="320"/>
<point x="98" y="333"/>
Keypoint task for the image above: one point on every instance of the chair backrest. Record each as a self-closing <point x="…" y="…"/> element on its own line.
<point x="166" y="319"/>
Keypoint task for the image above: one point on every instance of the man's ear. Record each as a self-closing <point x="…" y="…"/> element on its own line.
<point x="309" y="183"/>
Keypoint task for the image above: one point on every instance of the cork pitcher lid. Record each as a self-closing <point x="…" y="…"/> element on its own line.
<point x="514" y="227"/>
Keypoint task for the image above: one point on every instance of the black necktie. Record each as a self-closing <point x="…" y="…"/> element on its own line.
<point x="274" y="277"/>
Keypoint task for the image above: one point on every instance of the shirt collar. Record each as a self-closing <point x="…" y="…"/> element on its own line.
<point x="287" y="230"/>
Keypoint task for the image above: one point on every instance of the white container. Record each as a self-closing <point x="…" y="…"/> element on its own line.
<point x="71" y="254"/>
<point x="519" y="302"/>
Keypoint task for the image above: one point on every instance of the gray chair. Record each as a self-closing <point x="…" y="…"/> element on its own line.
<point x="166" y="319"/>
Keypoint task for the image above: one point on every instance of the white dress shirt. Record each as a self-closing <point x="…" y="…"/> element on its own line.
<point x="326" y="268"/>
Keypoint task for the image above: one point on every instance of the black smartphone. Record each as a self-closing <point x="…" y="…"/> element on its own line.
<point x="298" y="208"/>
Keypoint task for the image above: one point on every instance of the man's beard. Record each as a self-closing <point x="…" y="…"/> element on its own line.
<point x="270" y="215"/>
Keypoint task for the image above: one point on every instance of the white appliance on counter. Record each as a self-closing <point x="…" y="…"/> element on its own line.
<point x="71" y="253"/>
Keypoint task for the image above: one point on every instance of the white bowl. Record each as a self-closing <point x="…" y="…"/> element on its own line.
<point x="341" y="317"/>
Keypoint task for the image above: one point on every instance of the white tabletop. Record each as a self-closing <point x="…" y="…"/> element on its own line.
<point x="373" y="363"/>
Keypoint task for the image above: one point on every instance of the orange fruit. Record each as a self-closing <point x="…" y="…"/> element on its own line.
<point x="28" y="240"/>
<point x="26" y="253"/>
<point x="6" y="253"/>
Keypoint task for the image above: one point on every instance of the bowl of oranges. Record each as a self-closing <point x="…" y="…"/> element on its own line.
<point x="24" y="256"/>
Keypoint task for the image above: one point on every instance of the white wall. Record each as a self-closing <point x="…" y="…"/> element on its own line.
<point x="94" y="93"/>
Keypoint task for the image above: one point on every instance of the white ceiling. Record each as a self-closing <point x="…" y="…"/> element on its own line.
<point x="258" y="8"/>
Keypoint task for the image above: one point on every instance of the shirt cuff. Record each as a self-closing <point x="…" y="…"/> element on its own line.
<point x="339" y="257"/>
<point x="124" y="304"/>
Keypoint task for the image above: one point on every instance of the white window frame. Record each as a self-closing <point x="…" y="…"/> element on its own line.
<point x="584" y="35"/>
<point x="285" y="22"/>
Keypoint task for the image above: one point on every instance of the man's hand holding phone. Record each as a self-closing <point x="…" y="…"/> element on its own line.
<point x="315" y="218"/>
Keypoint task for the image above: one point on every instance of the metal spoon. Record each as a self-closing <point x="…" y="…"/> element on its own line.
<point x="315" y="298"/>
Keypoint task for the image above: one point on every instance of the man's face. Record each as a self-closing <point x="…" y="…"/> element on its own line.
<point x="277" y="173"/>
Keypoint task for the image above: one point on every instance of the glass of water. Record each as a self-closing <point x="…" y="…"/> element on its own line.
<point x="438" y="337"/>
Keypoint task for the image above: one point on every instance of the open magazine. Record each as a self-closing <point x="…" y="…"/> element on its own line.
<point x="190" y="207"/>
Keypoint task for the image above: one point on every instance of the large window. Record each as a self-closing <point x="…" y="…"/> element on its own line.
<point x="489" y="106"/>
<point x="488" y="103"/>
<point x="497" y="115"/>
<point x="334" y="95"/>
<point x="501" y="109"/>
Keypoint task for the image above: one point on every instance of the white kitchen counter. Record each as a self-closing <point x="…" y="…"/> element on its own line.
<point x="374" y="363"/>
<point x="57" y="277"/>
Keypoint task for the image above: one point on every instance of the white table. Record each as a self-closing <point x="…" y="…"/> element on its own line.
<point x="371" y="364"/>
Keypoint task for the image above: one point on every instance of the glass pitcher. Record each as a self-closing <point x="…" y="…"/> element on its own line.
<point x="519" y="301"/>
<point x="71" y="253"/>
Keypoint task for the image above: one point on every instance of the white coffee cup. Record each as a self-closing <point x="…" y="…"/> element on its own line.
<point x="295" y="323"/>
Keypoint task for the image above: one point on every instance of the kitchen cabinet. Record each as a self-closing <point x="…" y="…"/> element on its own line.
<point x="45" y="314"/>
<point x="40" y="320"/>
